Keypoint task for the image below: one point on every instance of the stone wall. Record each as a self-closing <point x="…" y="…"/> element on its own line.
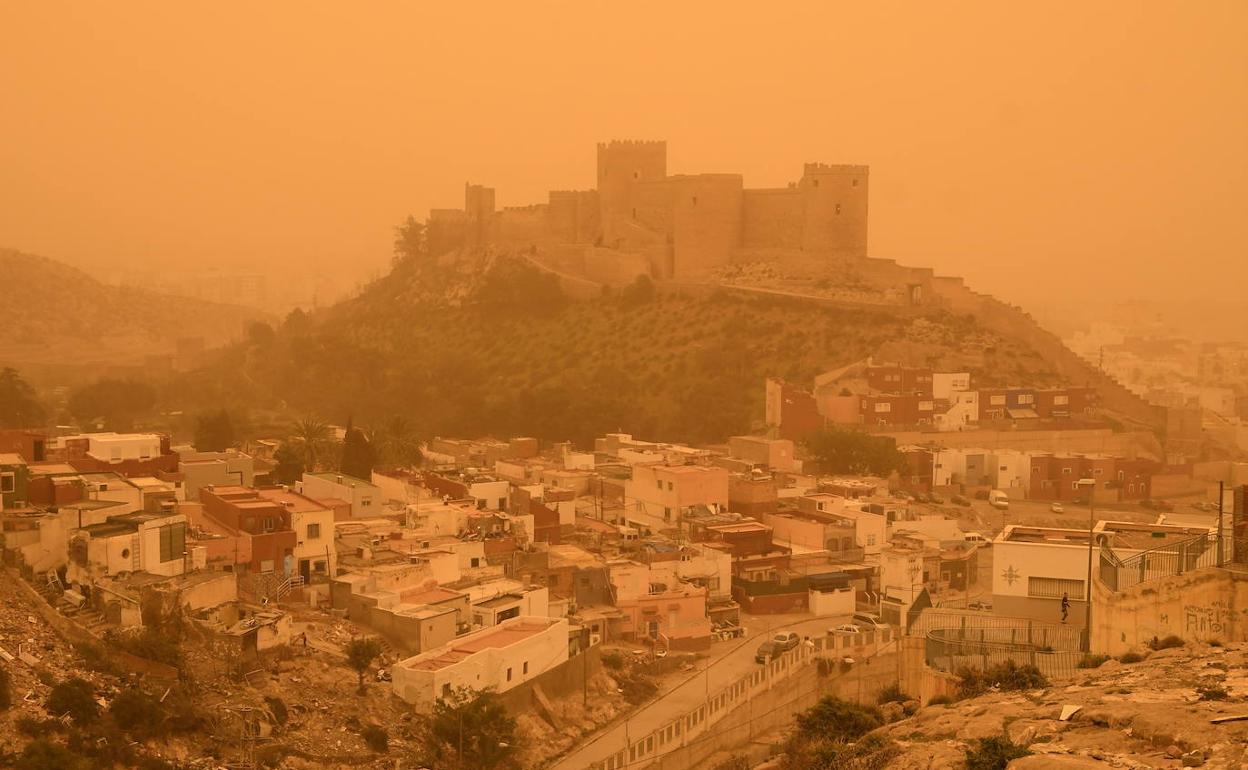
<point x="1210" y="603"/>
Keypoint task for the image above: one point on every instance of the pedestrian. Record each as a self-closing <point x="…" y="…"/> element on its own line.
<point x="1065" y="606"/>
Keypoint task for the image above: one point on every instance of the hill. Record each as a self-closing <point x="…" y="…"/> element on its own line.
<point x="1158" y="713"/>
<point x="54" y="313"/>
<point x="474" y="344"/>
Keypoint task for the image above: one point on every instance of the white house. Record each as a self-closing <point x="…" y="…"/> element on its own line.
<point x="134" y="542"/>
<point x="364" y="496"/>
<point x="945" y="385"/>
<point x="1033" y="567"/>
<point x="500" y="657"/>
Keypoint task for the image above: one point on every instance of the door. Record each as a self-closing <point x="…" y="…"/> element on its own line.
<point x="305" y="570"/>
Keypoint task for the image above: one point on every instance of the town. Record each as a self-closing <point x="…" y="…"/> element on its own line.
<point x="967" y="525"/>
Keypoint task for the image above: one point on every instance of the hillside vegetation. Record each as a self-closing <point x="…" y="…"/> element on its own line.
<point x="55" y="313"/>
<point x="473" y="345"/>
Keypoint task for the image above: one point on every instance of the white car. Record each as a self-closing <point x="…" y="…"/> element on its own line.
<point x="1057" y="508"/>
<point x="847" y="628"/>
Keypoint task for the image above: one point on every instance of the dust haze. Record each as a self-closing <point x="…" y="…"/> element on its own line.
<point x="1050" y="155"/>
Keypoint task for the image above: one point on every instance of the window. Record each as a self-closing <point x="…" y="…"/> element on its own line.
<point x="996" y="400"/>
<point x="658" y="483"/>
<point x="670" y="486"/>
<point x="318" y="567"/>
<point x="870" y="539"/>
<point x="366" y="502"/>
<point x="1053" y="588"/>
<point x="854" y="183"/>
<point x="1097" y="471"/>
<point x="526" y="667"/>
<point x="1065" y="471"/>
<point x="838" y="208"/>
<point x="172" y="541"/>
<point x="508" y="674"/>
<point x="1074" y="485"/>
<point x="925" y="406"/>
<point x="267" y="524"/>
<point x="8" y="482"/>
<point x="883" y="406"/>
<point x="314" y="531"/>
<point x="266" y="565"/>
<point x="474" y="562"/>
<point x="1061" y="400"/>
<point x="1026" y="398"/>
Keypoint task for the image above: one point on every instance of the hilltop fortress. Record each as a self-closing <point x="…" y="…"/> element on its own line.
<point x="642" y="220"/>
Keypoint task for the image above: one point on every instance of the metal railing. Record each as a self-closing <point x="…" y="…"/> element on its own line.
<point x="983" y="627"/>
<point x="946" y="651"/>
<point x="1156" y="563"/>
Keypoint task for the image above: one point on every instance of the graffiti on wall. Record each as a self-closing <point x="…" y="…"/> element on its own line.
<point x="1213" y="618"/>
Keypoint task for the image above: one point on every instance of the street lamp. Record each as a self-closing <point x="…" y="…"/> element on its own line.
<point x="1087" y="618"/>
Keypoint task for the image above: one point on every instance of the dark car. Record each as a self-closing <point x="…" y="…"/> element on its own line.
<point x="959" y="500"/>
<point x="766" y="651"/>
<point x="936" y="499"/>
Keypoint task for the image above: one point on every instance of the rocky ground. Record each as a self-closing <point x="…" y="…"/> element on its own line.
<point x="1158" y="713"/>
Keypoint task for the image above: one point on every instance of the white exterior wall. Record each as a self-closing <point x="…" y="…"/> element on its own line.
<point x="962" y="413"/>
<point x="490" y="493"/>
<point x="578" y="461"/>
<point x="488" y="667"/>
<point x="1014" y="563"/>
<point x="945" y="384"/>
<point x="149" y="534"/>
<point x="709" y="563"/>
<point x="365" y="498"/>
<point x="842" y="602"/>
<point x="946" y="464"/>
<point x="320" y="548"/>
<point x="1011" y="472"/>
<point x="115" y="447"/>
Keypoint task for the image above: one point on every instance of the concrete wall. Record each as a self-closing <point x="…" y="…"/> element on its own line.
<point x="1097" y="440"/>
<point x="1210" y="603"/>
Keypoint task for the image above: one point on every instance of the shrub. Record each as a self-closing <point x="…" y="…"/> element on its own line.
<point x="1090" y="660"/>
<point x="1130" y="657"/>
<point x="43" y="754"/>
<point x="277" y="707"/>
<point x="34" y="727"/>
<point x="613" y="660"/>
<point x="939" y="700"/>
<point x="6" y="689"/>
<point x="637" y="688"/>
<point x="1212" y="692"/>
<point x="891" y="694"/>
<point x="153" y="645"/>
<point x="139" y="713"/>
<point x="76" y="698"/>
<point x="1005" y="676"/>
<point x="993" y="753"/>
<point x="835" y="719"/>
<point x="873" y="752"/>
<point x="1166" y="643"/>
<point x="376" y="738"/>
<point x="1215" y="642"/>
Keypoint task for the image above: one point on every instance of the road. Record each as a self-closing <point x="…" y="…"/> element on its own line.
<point x="722" y="669"/>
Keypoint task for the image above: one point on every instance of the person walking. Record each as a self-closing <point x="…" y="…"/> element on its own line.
<point x="1065" y="606"/>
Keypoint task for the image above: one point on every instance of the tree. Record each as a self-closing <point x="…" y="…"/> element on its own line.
<point x="358" y="456"/>
<point x="471" y="728"/>
<point x="138" y="713"/>
<point x="835" y="719"/>
<point x="260" y="334"/>
<point x="289" y="468"/>
<point x="851" y="451"/>
<point x="19" y="407"/>
<point x="409" y="240"/>
<point x="76" y="698"/>
<point x="360" y="654"/>
<point x="43" y="754"/>
<point x="313" y="439"/>
<point x="396" y="444"/>
<point x="214" y="431"/>
<point x="112" y="404"/>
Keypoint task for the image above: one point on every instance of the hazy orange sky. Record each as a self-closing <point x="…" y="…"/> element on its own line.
<point x="1041" y="150"/>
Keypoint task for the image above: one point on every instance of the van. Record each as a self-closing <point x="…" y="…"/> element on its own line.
<point x="976" y="537"/>
<point x="868" y="622"/>
<point x="998" y="499"/>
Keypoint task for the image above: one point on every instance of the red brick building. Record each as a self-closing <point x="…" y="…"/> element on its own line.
<point x="900" y="379"/>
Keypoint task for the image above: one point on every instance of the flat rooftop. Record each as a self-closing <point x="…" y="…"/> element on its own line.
<point x="490" y="638"/>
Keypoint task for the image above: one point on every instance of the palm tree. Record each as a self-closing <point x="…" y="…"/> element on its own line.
<point x="397" y="443"/>
<point x="312" y="438"/>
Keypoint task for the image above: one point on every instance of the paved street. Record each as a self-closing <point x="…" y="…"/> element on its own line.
<point x="729" y="661"/>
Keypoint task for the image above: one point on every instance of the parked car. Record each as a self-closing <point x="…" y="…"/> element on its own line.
<point x="981" y="494"/>
<point x="976" y="537"/>
<point x="959" y="500"/>
<point x="936" y="499"/>
<point x="766" y="651"/>
<point x="999" y="500"/>
<point x="980" y="606"/>
<point x="1164" y="505"/>
<point x="867" y="621"/>
<point x="847" y="628"/>
<point x="1057" y="508"/>
<point x="785" y="641"/>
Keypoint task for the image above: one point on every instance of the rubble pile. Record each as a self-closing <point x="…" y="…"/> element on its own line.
<point x="1182" y="707"/>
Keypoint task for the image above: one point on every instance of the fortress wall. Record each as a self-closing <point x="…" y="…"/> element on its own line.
<point x="706" y="221"/>
<point x="572" y="216"/>
<point x="772" y="218"/>
<point x="522" y="225"/>
<point x="835" y="209"/>
<point x="621" y="167"/>
<point x="614" y="267"/>
<point x="652" y="206"/>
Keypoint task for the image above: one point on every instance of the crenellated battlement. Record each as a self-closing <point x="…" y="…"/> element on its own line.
<point x="834" y="168"/>
<point x="653" y="144"/>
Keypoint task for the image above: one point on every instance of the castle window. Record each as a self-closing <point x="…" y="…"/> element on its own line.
<point x="816" y="183"/>
<point x="854" y="183"/>
<point x="838" y="208"/>
<point x="695" y="200"/>
<point x="636" y="175"/>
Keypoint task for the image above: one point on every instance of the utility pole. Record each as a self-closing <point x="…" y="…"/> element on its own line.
<point x="1221" y="497"/>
